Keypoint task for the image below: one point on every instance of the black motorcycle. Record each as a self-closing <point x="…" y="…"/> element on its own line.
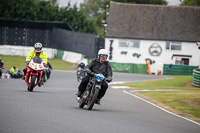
<point x="46" y="75"/>
<point x="80" y="74"/>
<point x="89" y="96"/>
<point x="19" y="74"/>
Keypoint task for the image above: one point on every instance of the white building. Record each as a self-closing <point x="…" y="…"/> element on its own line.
<point x="164" y="34"/>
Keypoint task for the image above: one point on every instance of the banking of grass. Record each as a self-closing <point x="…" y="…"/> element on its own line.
<point x="184" y="100"/>
<point x="19" y="62"/>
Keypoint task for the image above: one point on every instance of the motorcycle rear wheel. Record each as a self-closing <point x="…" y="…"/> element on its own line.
<point x="93" y="99"/>
<point x="33" y="78"/>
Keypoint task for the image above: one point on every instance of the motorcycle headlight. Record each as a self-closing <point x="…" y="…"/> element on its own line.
<point x="99" y="78"/>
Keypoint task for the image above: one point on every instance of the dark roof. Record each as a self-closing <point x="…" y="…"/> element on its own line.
<point x="153" y="22"/>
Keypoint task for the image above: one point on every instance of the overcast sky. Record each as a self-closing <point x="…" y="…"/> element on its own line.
<point x="62" y="3"/>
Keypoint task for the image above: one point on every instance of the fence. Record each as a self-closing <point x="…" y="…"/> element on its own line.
<point x="52" y="35"/>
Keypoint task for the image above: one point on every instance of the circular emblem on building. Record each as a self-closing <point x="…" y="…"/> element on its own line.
<point x="155" y="49"/>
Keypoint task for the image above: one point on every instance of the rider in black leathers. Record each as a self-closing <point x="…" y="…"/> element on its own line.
<point x="49" y="71"/>
<point x="99" y="65"/>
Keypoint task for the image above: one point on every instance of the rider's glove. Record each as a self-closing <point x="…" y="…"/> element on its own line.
<point x="27" y="62"/>
<point x="92" y="73"/>
<point x="45" y="65"/>
<point x="109" y="79"/>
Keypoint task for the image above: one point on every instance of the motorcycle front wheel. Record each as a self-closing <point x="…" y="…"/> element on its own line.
<point x="92" y="99"/>
<point x="33" y="78"/>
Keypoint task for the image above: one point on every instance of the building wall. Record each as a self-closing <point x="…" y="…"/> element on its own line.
<point x="165" y="57"/>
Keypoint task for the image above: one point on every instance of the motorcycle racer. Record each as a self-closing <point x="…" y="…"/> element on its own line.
<point x="99" y="65"/>
<point x="36" y="52"/>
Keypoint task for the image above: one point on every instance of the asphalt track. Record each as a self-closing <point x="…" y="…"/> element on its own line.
<point x="52" y="108"/>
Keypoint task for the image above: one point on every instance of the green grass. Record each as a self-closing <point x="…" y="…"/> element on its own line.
<point x="19" y="62"/>
<point x="177" y="82"/>
<point x="187" y="102"/>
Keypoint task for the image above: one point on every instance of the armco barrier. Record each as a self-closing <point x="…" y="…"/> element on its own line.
<point x="196" y="78"/>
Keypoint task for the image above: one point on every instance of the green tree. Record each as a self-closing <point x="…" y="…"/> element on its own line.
<point x="96" y="9"/>
<point x="29" y="9"/>
<point x="190" y="2"/>
<point x="47" y="10"/>
<point x="77" y="19"/>
<point x="18" y="9"/>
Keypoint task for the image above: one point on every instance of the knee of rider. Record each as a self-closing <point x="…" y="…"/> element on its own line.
<point x="104" y="85"/>
<point x="85" y="79"/>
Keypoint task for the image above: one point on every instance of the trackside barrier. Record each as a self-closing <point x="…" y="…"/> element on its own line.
<point x="51" y="53"/>
<point x="169" y="69"/>
<point x="5" y="76"/>
<point x="196" y="78"/>
<point x="128" y="67"/>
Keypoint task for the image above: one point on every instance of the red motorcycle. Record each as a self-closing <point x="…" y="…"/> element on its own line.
<point x="34" y="73"/>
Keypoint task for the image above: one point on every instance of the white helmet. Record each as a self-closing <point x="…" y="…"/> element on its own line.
<point x="103" y="52"/>
<point x="38" y="45"/>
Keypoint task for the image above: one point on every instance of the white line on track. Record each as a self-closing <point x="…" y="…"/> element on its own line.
<point x="160" y="107"/>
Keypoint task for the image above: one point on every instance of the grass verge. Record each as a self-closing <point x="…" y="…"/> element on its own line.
<point x="185" y="101"/>
<point x="19" y="62"/>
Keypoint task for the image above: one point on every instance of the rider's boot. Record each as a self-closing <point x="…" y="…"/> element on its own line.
<point x="23" y="77"/>
<point x="39" y="84"/>
<point x="98" y="101"/>
<point x="79" y="93"/>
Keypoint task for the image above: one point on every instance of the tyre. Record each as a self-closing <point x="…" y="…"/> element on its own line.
<point x="81" y="104"/>
<point x="48" y="75"/>
<point x="93" y="99"/>
<point x="83" y="99"/>
<point x="32" y="84"/>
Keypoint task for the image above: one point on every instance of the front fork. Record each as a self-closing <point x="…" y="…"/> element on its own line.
<point x="35" y="79"/>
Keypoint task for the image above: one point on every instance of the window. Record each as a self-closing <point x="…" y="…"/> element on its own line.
<point x="173" y="45"/>
<point x="129" y="43"/>
<point x="182" y="61"/>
